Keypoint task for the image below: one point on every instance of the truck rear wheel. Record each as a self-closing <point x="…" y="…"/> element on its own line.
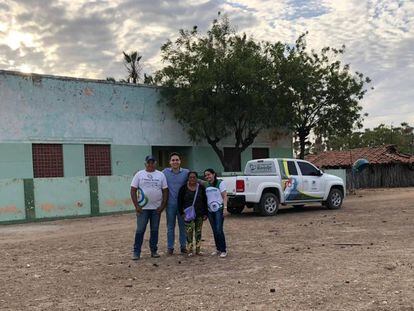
<point x="335" y="199"/>
<point x="235" y="209"/>
<point x="269" y="204"/>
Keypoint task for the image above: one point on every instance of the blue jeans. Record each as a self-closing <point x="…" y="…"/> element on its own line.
<point x="142" y="221"/>
<point x="216" y="221"/>
<point x="172" y="215"/>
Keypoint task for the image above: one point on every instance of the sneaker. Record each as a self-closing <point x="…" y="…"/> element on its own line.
<point x="200" y="253"/>
<point x="190" y="254"/>
<point x="135" y="257"/>
<point x="184" y="250"/>
<point x="170" y="251"/>
<point x="215" y="253"/>
<point x="223" y="255"/>
<point x="155" y="255"/>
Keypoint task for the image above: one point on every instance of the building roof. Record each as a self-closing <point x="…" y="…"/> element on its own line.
<point x="39" y="76"/>
<point x="345" y="158"/>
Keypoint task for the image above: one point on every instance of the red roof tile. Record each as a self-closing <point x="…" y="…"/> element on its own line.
<point x="375" y="155"/>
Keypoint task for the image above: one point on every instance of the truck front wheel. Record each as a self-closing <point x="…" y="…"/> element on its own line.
<point x="269" y="204"/>
<point x="235" y="209"/>
<point x="335" y="199"/>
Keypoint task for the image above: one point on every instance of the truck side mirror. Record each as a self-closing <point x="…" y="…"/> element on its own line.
<point x="317" y="173"/>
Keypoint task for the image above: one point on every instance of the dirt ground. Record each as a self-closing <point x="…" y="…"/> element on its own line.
<point x="299" y="260"/>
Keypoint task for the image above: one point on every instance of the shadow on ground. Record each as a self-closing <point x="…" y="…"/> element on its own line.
<point x="288" y="210"/>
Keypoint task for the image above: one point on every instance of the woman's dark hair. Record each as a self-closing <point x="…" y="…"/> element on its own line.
<point x="189" y="173"/>
<point x="210" y="170"/>
<point x="192" y="172"/>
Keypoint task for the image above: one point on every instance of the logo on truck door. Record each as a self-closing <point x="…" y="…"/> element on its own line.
<point x="290" y="183"/>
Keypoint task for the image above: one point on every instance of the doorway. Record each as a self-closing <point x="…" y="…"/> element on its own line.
<point x="162" y="153"/>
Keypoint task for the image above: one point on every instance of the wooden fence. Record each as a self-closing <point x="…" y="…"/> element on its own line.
<point x="381" y="176"/>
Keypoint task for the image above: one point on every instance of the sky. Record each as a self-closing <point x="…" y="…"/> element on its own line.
<point x="86" y="38"/>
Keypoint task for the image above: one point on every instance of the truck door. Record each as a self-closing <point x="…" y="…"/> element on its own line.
<point x="290" y="180"/>
<point x="312" y="183"/>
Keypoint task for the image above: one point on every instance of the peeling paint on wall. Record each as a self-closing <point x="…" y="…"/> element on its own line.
<point x="61" y="197"/>
<point x="47" y="207"/>
<point x="88" y="91"/>
<point x="10" y="209"/>
<point x="114" y="194"/>
<point x="36" y="80"/>
<point x="50" y="208"/>
<point x="70" y="108"/>
<point x="12" y="206"/>
<point x="115" y="203"/>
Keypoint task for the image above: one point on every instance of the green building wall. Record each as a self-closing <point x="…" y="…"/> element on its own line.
<point x="16" y="160"/>
<point x="114" y="194"/>
<point x="73" y="198"/>
<point x="74" y="112"/>
<point x="128" y="159"/>
<point x="12" y="200"/>
<point x="73" y="160"/>
<point x="281" y="152"/>
<point x="23" y="200"/>
<point x="204" y="157"/>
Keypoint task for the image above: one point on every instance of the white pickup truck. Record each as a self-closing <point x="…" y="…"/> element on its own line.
<point x="267" y="183"/>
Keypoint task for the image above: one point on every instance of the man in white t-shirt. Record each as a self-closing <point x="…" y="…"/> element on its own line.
<point x="149" y="193"/>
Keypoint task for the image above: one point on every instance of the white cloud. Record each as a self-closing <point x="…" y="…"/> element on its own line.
<point x="378" y="34"/>
<point x="86" y="38"/>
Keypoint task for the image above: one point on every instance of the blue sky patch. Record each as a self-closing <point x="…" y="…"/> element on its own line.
<point x="305" y="9"/>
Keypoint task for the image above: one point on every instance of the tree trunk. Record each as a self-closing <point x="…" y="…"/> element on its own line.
<point x="234" y="165"/>
<point x="240" y="146"/>
<point x="302" y="144"/>
<point x="218" y="151"/>
<point x="303" y="134"/>
<point x="227" y="165"/>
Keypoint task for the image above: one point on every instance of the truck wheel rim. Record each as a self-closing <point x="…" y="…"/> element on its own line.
<point x="336" y="199"/>
<point x="270" y="205"/>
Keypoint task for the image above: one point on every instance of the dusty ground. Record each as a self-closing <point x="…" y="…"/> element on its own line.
<point x="293" y="261"/>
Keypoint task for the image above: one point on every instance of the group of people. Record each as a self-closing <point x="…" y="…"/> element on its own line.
<point x="187" y="200"/>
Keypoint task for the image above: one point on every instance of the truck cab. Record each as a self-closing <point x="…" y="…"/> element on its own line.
<point x="267" y="183"/>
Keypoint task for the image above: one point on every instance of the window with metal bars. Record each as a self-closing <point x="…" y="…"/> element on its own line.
<point x="47" y="160"/>
<point x="260" y="153"/>
<point x="98" y="160"/>
<point x="231" y="156"/>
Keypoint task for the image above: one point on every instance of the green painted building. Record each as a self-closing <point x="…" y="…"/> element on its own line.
<point x="71" y="129"/>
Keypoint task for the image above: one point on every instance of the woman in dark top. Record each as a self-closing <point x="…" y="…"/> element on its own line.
<point x="193" y="219"/>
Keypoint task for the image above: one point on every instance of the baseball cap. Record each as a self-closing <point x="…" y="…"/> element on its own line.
<point x="150" y="158"/>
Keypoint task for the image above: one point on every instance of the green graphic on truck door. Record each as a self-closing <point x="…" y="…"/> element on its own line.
<point x="291" y="182"/>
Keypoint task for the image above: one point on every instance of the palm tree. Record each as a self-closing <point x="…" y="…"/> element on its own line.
<point x="131" y="62"/>
<point x="148" y="79"/>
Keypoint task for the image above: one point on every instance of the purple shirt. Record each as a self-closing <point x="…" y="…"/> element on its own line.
<point x="175" y="181"/>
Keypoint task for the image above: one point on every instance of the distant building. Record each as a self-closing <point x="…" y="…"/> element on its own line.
<point x="387" y="168"/>
<point x="64" y="127"/>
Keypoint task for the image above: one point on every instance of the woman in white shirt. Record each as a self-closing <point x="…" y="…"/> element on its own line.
<point x="216" y="201"/>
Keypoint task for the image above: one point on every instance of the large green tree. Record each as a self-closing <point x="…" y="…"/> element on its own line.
<point x="324" y="93"/>
<point x="221" y="85"/>
<point x="402" y="136"/>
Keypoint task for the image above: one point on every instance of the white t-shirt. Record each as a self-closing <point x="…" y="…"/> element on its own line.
<point x="149" y="185"/>
<point x="214" y="198"/>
